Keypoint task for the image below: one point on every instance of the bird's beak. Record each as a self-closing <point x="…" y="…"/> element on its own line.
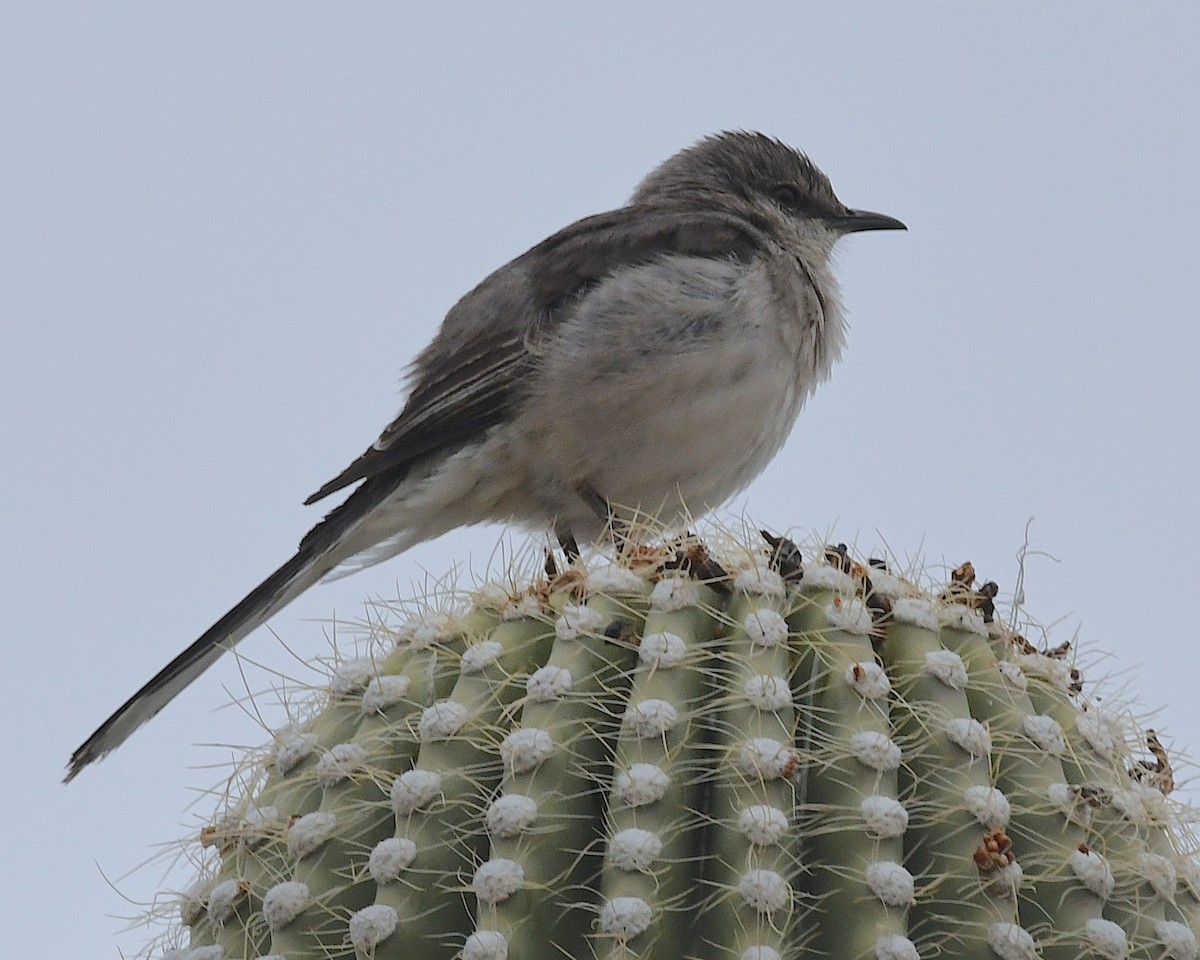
<point x="856" y="221"/>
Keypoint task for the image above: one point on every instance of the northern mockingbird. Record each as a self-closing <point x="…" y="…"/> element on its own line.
<point x="651" y="359"/>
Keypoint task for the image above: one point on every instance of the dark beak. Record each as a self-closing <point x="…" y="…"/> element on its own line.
<point x="856" y="221"/>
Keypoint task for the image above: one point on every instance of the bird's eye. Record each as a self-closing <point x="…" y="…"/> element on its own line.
<point x="786" y="196"/>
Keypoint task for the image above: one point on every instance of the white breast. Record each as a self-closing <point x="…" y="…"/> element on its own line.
<point x="656" y="419"/>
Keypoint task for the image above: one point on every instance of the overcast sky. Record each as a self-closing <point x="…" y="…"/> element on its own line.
<point x="226" y="228"/>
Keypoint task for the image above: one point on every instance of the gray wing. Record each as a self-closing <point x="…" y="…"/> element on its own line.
<point x="475" y="371"/>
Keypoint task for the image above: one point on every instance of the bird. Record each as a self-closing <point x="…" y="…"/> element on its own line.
<point x="646" y="361"/>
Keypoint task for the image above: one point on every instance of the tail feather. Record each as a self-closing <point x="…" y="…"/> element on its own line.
<point x="329" y="543"/>
<point x="258" y="606"/>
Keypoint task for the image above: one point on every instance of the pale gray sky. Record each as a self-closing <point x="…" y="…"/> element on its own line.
<point x="227" y="227"/>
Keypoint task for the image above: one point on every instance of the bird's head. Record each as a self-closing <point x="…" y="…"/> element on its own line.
<point x="763" y="178"/>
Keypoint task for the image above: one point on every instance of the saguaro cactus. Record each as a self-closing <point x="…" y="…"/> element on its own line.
<point x="754" y="757"/>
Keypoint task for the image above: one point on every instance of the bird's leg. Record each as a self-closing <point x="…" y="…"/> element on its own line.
<point x="596" y="503"/>
<point x="570" y="547"/>
<point x="599" y="505"/>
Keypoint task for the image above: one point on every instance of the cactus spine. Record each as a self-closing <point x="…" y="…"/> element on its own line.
<point x="756" y="759"/>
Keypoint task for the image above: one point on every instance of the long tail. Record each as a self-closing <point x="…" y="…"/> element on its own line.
<point x="325" y="546"/>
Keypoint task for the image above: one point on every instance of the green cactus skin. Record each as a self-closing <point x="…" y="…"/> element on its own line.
<point x="629" y="763"/>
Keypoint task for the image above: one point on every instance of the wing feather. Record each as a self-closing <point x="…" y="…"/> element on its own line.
<point x="474" y="373"/>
